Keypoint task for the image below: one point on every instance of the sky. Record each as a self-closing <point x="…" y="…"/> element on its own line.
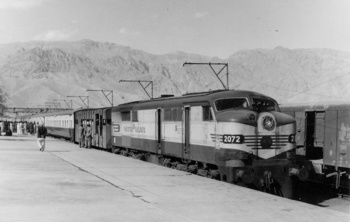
<point x="206" y="27"/>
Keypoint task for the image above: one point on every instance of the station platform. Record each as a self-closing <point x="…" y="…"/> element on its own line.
<point x="68" y="183"/>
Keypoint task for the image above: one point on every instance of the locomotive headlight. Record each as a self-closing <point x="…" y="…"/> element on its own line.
<point x="268" y="123"/>
<point x="251" y="116"/>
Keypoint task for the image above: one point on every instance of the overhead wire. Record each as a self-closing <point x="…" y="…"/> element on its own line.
<point x="302" y="92"/>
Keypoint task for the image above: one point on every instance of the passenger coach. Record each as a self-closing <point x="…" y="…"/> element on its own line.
<point x="60" y="124"/>
<point x="235" y="135"/>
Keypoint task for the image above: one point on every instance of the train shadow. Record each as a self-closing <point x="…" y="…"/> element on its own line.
<point x="316" y="193"/>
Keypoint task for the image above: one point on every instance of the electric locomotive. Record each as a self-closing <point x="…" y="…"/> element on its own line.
<point x="235" y="136"/>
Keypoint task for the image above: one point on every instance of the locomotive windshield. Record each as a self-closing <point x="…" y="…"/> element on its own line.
<point x="262" y="105"/>
<point x="231" y="103"/>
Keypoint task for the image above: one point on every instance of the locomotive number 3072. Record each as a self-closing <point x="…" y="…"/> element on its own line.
<point x="233" y="138"/>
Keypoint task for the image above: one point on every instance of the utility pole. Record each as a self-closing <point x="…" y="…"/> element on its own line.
<point x="143" y="87"/>
<point x="106" y="93"/>
<point x="225" y="65"/>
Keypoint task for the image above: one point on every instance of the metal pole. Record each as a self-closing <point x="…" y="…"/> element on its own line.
<point x="106" y="95"/>
<point x="143" y="87"/>
<point x="216" y="74"/>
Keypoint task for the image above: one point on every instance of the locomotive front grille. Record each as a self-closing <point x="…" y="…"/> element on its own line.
<point x="266" y="142"/>
<point x="258" y="142"/>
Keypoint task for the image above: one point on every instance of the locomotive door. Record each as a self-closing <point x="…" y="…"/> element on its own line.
<point x="186" y="146"/>
<point x="314" y="134"/>
<point x="159" y="130"/>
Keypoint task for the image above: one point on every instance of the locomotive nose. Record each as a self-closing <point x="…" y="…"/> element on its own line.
<point x="271" y="121"/>
<point x="275" y="134"/>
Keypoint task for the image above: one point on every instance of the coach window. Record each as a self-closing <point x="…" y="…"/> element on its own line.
<point x="207" y="116"/>
<point x="134" y="116"/>
<point x="126" y="116"/>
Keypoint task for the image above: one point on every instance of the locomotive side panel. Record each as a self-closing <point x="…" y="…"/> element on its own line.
<point x="135" y="132"/>
<point x="202" y="129"/>
<point x="171" y="131"/>
<point x="143" y="132"/>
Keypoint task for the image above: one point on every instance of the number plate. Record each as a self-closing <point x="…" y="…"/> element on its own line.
<point x="233" y="139"/>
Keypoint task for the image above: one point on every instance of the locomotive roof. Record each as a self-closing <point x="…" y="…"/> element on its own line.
<point x="200" y="98"/>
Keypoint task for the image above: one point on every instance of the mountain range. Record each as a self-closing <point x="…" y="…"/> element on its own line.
<point x="35" y="73"/>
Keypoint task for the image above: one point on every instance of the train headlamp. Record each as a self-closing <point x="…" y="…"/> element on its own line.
<point x="251" y="116"/>
<point x="268" y="123"/>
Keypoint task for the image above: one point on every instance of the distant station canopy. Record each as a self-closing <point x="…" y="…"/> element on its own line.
<point x="24" y="111"/>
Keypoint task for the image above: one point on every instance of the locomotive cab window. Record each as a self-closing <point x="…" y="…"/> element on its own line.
<point x="264" y="105"/>
<point x="207" y="116"/>
<point x="231" y="103"/>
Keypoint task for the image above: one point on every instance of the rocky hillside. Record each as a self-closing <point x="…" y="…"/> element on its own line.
<point x="33" y="73"/>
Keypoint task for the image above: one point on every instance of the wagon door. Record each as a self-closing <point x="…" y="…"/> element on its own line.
<point x="95" y="130"/>
<point x="343" y="155"/>
<point x="314" y="135"/>
<point x="106" y="131"/>
<point x="100" y="131"/>
<point x="77" y="122"/>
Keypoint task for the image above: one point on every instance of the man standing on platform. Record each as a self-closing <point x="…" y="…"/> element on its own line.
<point x="88" y="136"/>
<point x="81" y="134"/>
<point x="42" y="132"/>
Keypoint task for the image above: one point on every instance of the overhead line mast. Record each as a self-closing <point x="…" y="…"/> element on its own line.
<point x="143" y="87"/>
<point x="225" y="65"/>
<point x="67" y="102"/>
<point x="83" y="99"/>
<point x="110" y="92"/>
